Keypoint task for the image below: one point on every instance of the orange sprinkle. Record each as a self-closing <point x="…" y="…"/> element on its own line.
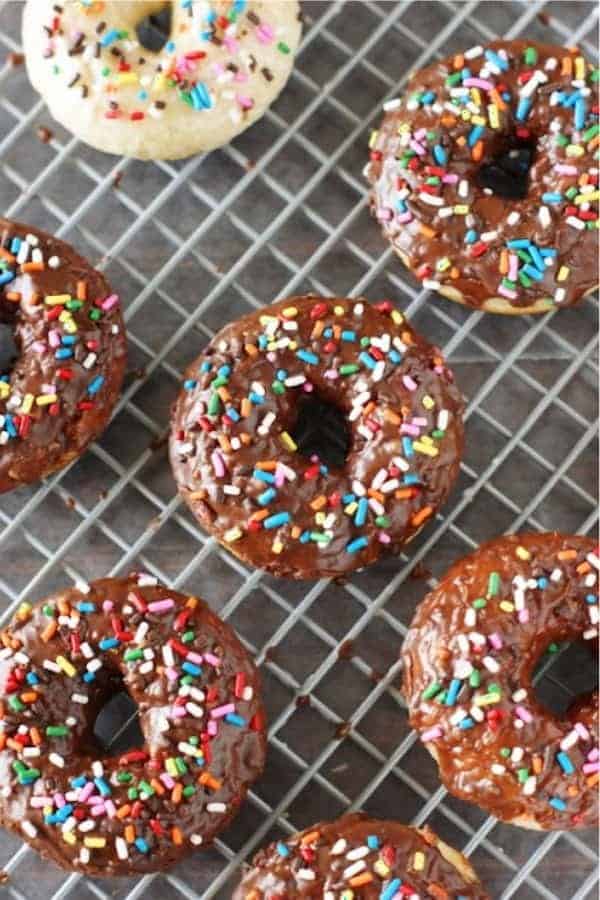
<point x="503" y="262"/>
<point x="390" y="416"/>
<point x="123" y="811"/>
<point x="177" y="793"/>
<point x="4" y="254"/>
<point x="407" y="337"/>
<point x="259" y="515"/>
<point x="13" y="296"/>
<point x="33" y="267"/>
<point x="437" y="891"/>
<point x="2" y="741"/>
<point x="176" y="836"/>
<point x="245" y="438"/>
<point x="251" y="349"/>
<point x="376" y="494"/>
<point x="448" y="121"/>
<point x="454" y="273"/>
<point x="461" y="140"/>
<point x="224" y="394"/>
<point x="129" y="834"/>
<point x="224" y="443"/>
<point x="245" y="408"/>
<point x="14" y="745"/>
<point x="268" y="466"/>
<point x="420" y="516"/>
<point x="567" y="65"/>
<point x="49" y="631"/>
<point x="359" y="880"/>
<point x="318" y="329"/>
<point x="158" y="787"/>
<point x="403" y="493"/>
<point x="426" y="230"/>
<point x="368" y="409"/>
<point x="310" y="837"/>
<point x="537" y="764"/>
<point x="318" y="502"/>
<point x="296" y="532"/>
<point x="591" y="780"/>
<point x="458" y="61"/>
<point x="63" y="607"/>
<point x="567" y="554"/>
<point x="29" y="697"/>
<point x="210" y="781"/>
<point x="197" y="495"/>
<point x="497" y="98"/>
<point x="583" y="568"/>
<point x="82" y="290"/>
<point x="192" y="602"/>
<point x="36" y="738"/>
<point x="477" y="151"/>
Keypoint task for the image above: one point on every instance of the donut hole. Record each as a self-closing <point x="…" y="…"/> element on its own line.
<point x="321" y="430"/>
<point x="117" y="727"/>
<point x="8" y="348"/>
<point x="506" y="173"/>
<point x="154" y="30"/>
<point x="565" y="673"/>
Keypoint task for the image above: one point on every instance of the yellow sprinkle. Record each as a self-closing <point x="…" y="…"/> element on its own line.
<point x="587" y="198"/>
<point x="575" y="150"/>
<point x="67" y="667"/>
<point x="427" y="449"/>
<point x="351" y="508"/>
<point x="506" y="606"/>
<point x="69" y="838"/>
<point x="443" y="264"/>
<point x="465" y="115"/>
<point x="56" y="299"/>
<point x="419" y="861"/>
<point x="461" y="209"/>
<point x="404" y="127"/>
<point x="23" y="611"/>
<point x="4" y="390"/>
<point x="396" y="317"/>
<point x="493" y="115"/>
<point x="234" y="534"/>
<point x="265" y="319"/>
<point x="579" y="68"/>
<point x="46" y="399"/>
<point x="486" y="699"/>
<point x="320" y="518"/>
<point x="277" y="547"/>
<point x="478" y="120"/>
<point x="476" y="96"/>
<point x="428" y="402"/>
<point x="127" y="78"/>
<point x="381" y="869"/>
<point x="293" y="345"/>
<point x="522" y="552"/>
<point x="290" y="312"/>
<point x="373" y="139"/>
<point x="563" y="273"/>
<point x="94" y="842"/>
<point x="339" y="310"/>
<point x="288" y="442"/>
<point x="159" y="83"/>
<point x="27" y="403"/>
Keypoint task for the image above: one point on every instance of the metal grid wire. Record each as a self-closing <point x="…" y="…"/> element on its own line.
<point x="191" y="245"/>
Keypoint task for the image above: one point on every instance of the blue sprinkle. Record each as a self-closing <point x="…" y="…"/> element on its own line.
<point x="79" y="782"/>
<point x="232" y="413"/>
<point x="205" y="367"/>
<point x="361" y="513"/>
<point x="591" y="598"/>
<point x="281" y="374"/>
<point x="63" y="353"/>
<point x="391" y="889"/>
<point x="282" y="849"/>
<point x="6" y="277"/>
<point x="189" y="384"/>
<point x="278" y="519"/>
<point x="471" y="236"/>
<point x="580" y="113"/>
<point x="518" y="244"/>
<point x="407" y="446"/>
<point x="428" y="98"/>
<point x="68" y="340"/>
<point x="224" y="371"/>
<point x="348" y="335"/>
<point x="533" y="272"/>
<point x="32" y="678"/>
<point x="557" y="803"/>
<point x="265" y="498"/>
<point x="200" y="96"/>
<point x="15" y="245"/>
<point x="552" y="197"/>
<point x="367" y="360"/>
<point x="263" y="476"/>
<point x="327" y="332"/>
<point x="109" y="38"/>
<point x="103" y="787"/>
<point x="565" y="763"/>
<point x="305" y="537"/>
<point x="542" y="583"/>
<point x="496" y="60"/>
<point x="9" y="426"/>
<point x="89" y="676"/>
<point x="411" y="478"/>
<point x="348" y="498"/>
<point x="109" y="643"/>
<point x="306" y="356"/>
<point x="439" y="154"/>
<point x="467" y="722"/>
<point x="256" y="398"/>
<point x="523" y="109"/>
<point x="170" y="46"/>
<point x="143" y="95"/>
<point x="453" y="690"/>
<point x="234" y="719"/>
<point x="536" y="257"/>
<point x="548" y="251"/>
<point x="142" y="845"/>
<point x="474" y="135"/>
<point x="356" y="545"/>
<point x="84" y="606"/>
<point x="191" y="668"/>
<point x="373" y="842"/>
<point x="395" y="357"/>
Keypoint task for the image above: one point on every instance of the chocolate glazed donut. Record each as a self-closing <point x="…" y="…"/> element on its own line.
<point x="485" y="177"/>
<point x="245" y="478"/>
<point x="360" y="857"/>
<point x="71" y="352"/>
<point x="469" y="658"/>
<point x="200" y="712"/>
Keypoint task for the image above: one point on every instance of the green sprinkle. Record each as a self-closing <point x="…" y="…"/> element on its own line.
<point x="531" y="56"/>
<point x="562" y="140"/>
<point x="180" y="765"/>
<point x="105" y="71"/>
<point x="193" y="740"/>
<point x="57" y="730"/>
<point x="591" y="132"/>
<point x="146" y="787"/>
<point x="124" y="777"/>
<point x="524" y="279"/>
<point x="349" y="369"/>
<point x="365" y="342"/>
<point x="278" y="387"/>
<point x="132" y="655"/>
<point x="74" y="304"/>
<point x="480" y="603"/>
<point x="505" y="751"/>
<point x="493" y="584"/>
<point x="49" y="610"/>
<point x="522" y="775"/>
<point x="187" y="636"/>
<point x="214" y="405"/>
<point x="95" y="314"/>
<point x="553" y="648"/>
<point x="437" y="434"/>
<point x="16" y="704"/>
<point x="189" y="790"/>
<point x="382" y="521"/>
<point x="430" y="692"/>
<point x="454" y="79"/>
<point x="132" y="793"/>
<point x="283" y="48"/>
<point x="475" y="678"/>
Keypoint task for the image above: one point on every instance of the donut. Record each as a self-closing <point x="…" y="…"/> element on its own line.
<point x="360" y="857"/>
<point x="469" y="658"/>
<point x="485" y="177"/>
<point x="223" y="65"/>
<point x="240" y="465"/>
<point x="59" y="392"/>
<point x="200" y="712"/>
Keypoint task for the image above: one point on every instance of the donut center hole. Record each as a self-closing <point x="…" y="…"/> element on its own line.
<point x="564" y="673"/>
<point x="8" y="348"/>
<point x="506" y="174"/>
<point x="117" y="727"/>
<point x="154" y="31"/>
<point x="321" y="431"/>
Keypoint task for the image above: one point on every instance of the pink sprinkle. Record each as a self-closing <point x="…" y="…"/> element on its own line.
<point x="54" y="338"/>
<point x="409" y="382"/>
<point x="218" y="464"/>
<point x="178" y="712"/>
<point x="588" y="768"/>
<point x="38" y="802"/>
<point x="245" y="102"/>
<point x="231" y="44"/>
<point x="195" y="658"/>
<point x="279" y="476"/>
<point x="420" y="134"/>
<point x="307" y="387"/>
<point x="167" y="780"/>
<point x="160" y="606"/>
<point x="432" y="733"/>
<point x="384" y="215"/>
<point x="581" y="730"/>
<point x="523" y="714"/>
<point x="172" y="674"/>
<point x="212" y="728"/>
<point x="523" y="616"/>
<point x="419" y="420"/>
<point x="59" y="800"/>
<point x="331" y="374"/>
<point x="513" y="266"/>
<point x="384" y="538"/>
<point x="107" y="606"/>
<point x="450" y="178"/>
<point x="495" y="640"/>
<point x="405" y="428"/>
<point x="265" y="34"/>
<point x="564" y="169"/>
<point x="98" y="810"/>
<point x="110" y="302"/>
<point x="506" y="292"/>
<point x="418" y="148"/>
<point x="219" y="711"/>
<point x="478" y="83"/>
<point x="86" y="792"/>
<point x="594" y="754"/>
<point x="405" y="217"/>
<point x="211" y="659"/>
<point x="111" y="809"/>
<point x="39" y="346"/>
<point x="241" y="77"/>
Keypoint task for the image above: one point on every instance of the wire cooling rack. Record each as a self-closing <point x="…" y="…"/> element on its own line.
<point x="193" y="244"/>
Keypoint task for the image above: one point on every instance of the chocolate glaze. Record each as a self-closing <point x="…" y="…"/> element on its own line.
<point x="234" y="751"/>
<point x="52" y="436"/>
<point x="310" y="864"/>
<point x="477" y="278"/>
<point x="196" y="435"/>
<point x="563" y="608"/>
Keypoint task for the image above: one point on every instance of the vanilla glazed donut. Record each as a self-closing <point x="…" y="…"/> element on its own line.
<point x="469" y="658"/>
<point x="360" y="858"/>
<point x="222" y="67"/>
<point x="244" y="476"/>
<point x="59" y="392"/>
<point x="200" y="712"/>
<point x="449" y="185"/>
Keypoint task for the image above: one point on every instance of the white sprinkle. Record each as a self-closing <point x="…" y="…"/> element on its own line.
<point x="57" y="760"/>
<point x="390" y="105"/>
<point x="354" y="869"/>
<point x="513" y="218"/>
<point x="54" y="262"/>
<point x="216" y="807"/>
<point x="357" y="853"/>
<point x="517" y="754"/>
<point x="432" y="199"/>
<point x="491" y="664"/>
<point x="574" y="222"/>
<point x="544" y="217"/>
<point x="519" y="695"/>
<point x="305" y="875"/>
<point x="530" y="786"/>
<point x="498" y="769"/>
<point x="338" y="848"/>
<point x="29" y="828"/>
<point x="121" y="848"/>
<point x="196" y="839"/>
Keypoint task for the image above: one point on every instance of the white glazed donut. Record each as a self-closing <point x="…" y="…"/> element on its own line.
<point x="224" y="64"/>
